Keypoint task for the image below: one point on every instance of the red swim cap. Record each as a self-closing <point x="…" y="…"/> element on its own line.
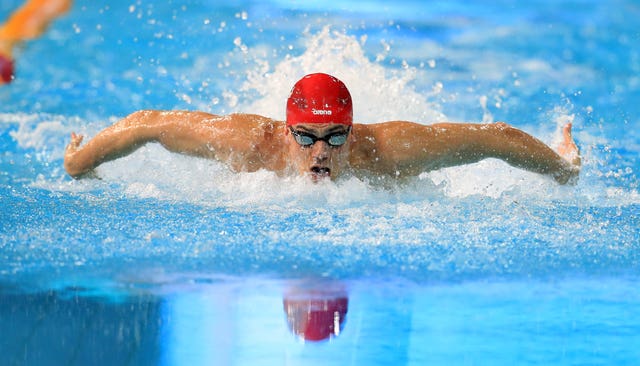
<point x="6" y="69"/>
<point x="319" y="98"/>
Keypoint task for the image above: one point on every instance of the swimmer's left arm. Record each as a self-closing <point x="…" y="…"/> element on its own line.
<point x="525" y="151"/>
<point x="407" y="148"/>
<point x="519" y="149"/>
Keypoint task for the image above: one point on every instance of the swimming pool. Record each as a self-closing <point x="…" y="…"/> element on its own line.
<point x="173" y="260"/>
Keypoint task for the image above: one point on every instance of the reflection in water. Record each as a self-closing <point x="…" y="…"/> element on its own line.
<point x="69" y="328"/>
<point x="209" y="323"/>
<point x="318" y="313"/>
<point x="242" y="322"/>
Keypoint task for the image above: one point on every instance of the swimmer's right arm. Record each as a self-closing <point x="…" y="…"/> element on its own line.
<point x="177" y="131"/>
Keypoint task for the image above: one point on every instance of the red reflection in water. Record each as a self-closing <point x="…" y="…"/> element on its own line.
<point x="316" y="316"/>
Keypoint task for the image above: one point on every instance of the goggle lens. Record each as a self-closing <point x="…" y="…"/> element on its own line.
<point x="306" y="139"/>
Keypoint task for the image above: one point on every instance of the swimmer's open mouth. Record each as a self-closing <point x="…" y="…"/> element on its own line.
<point x="320" y="171"/>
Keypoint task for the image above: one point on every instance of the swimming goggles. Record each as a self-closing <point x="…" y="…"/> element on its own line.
<point x="307" y="139"/>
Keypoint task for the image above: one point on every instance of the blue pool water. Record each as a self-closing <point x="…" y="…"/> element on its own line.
<point x="171" y="260"/>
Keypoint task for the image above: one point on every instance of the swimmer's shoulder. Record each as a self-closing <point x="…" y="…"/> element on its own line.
<point x="255" y="125"/>
<point x="252" y="121"/>
<point x="380" y="142"/>
<point x="251" y="118"/>
<point x="243" y="121"/>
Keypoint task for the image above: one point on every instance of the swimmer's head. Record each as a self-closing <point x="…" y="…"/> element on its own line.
<point x="319" y="98"/>
<point x="6" y="69"/>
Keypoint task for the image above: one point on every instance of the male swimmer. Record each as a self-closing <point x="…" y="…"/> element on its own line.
<point x="320" y="140"/>
<point x="28" y="22"/>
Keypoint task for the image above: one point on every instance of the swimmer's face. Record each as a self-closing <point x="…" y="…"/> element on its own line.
<point x="318" y="150"/>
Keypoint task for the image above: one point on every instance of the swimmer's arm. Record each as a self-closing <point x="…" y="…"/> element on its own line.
<point x="192" y="133"/>
<point x="524" y="151"/>
<point x="413" y="148"/>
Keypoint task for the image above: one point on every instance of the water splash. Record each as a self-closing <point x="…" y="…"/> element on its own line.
<point x="379" y="94"/>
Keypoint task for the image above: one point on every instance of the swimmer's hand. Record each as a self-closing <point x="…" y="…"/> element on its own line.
<point x="569" y="151"/>
<point x="568" y="148"/>
<point x="76" y="140"/>
<point x="71" y="157"/>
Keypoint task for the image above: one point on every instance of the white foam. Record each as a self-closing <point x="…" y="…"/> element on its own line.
<point x="45" y="132"/>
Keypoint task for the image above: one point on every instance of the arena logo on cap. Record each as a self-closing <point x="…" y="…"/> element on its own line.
<point x="319" y="98"/>
<point x="321" y="112"/>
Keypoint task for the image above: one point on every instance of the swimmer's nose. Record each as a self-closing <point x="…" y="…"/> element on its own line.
<point x="320" y="151"/>
<point x="6" y="69"/>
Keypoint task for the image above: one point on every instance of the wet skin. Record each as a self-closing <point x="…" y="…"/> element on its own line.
<point x="319" y="160"/>
<point x="396" y="149"/>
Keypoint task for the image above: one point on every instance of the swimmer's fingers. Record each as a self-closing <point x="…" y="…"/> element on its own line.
<point x="566" y="131"/>
<point x="74" y="163"/>
<point x="76" y="140"/>
<point x="568" y="148"/>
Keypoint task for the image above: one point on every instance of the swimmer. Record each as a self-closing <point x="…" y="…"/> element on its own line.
<point x="28" y="22"/>
<point x="320" y="140"/>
